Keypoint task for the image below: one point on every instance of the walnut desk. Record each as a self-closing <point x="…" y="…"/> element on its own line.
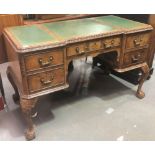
<point x="39" y="54"/>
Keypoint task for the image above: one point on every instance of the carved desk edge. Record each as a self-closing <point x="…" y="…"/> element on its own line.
<point x="21" y="49"/>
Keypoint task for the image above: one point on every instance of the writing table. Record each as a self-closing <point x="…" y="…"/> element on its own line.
<point x="39" y="54"/>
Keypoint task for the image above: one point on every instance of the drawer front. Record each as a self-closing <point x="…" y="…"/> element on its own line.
<point x="43" y="60"/>
<point x="44" y="80"/>
<point x="135" y="57"/>
<point x="94" y="45"/>
<point x="111" y="42"/>
<point x="137" y="40"/>
<point x="77" y="49"/>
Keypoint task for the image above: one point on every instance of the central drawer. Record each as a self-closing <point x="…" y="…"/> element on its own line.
<point x="44" y="80"/>
<point x="111" y="42"/>
<point x="76" y="49"/>
<point x="95" y="45"/>
<point x="43" y="59"/>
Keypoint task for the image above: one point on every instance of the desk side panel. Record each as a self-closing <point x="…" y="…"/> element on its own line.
<point x="14" y="61"/>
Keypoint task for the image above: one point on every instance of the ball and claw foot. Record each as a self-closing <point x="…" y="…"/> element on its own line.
<point x="30" y="134"/>
<point x="140" y="94"/>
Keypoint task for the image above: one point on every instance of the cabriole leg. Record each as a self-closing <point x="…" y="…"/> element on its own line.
<point x="145" y="73"/>
<point x="16" y="95"/>
<point x="27" y="106"/>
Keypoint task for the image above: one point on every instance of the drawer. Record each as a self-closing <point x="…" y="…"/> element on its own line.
<point x="95" y="45"/>
<point x="137" y="40"/>
<point x="135" y="57"/>
<point x="111" y="42"/>
<point x="44" y="80"/>
<point x="43" y="60"/>
<point x="76" y="49"/>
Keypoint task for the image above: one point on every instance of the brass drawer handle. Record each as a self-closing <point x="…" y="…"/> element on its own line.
<point x="112" y="41"/>
<point x="106" y="45"/>
<point x="135" y="58"/>
<point x="44" y="82"/>
<point x="136" y="42"/>
<point x="44" y="64"/>
<point x="87" y="47"/>
<point x="95" y="44"/>
<point x="77" y="50"/>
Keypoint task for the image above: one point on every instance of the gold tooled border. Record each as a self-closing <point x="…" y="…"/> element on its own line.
<point x="106" y="23"/>
<point x="143" y="27"/>
<point x="31" y="48"/>
<point x="19" y="48"/>
<point x="13" y="39"/>
<point x="50" y="32"/>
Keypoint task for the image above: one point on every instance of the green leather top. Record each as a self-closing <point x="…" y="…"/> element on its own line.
<point x="120" y="22"/>
<point x="78" y="28"/>
<point x="60" y="32"/>
<point x="31" y="35"/>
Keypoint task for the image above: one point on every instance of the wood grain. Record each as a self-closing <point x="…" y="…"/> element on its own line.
<point x="7" y="21"/>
